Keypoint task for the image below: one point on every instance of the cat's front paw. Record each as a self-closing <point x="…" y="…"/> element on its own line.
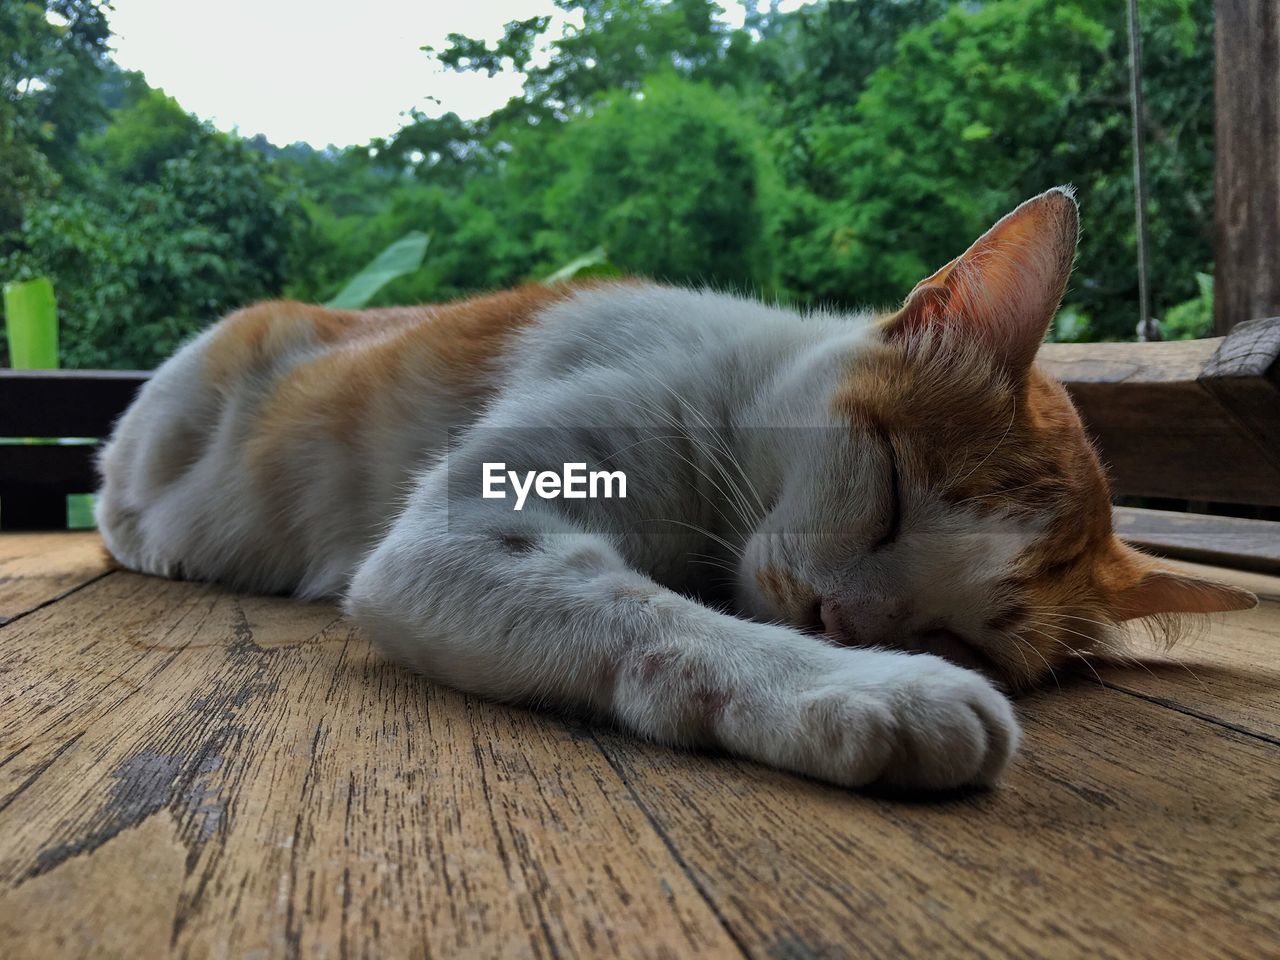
<point x="912" y="721"/>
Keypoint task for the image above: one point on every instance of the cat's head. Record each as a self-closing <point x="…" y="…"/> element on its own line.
<point x="957" y="506"/>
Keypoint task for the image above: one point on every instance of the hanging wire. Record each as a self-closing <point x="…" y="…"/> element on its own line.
<point x="1148" y="326"/>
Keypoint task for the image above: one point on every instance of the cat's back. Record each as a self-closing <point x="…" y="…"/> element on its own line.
<point x="264" y="450"/>
<point x="271" y="451"/>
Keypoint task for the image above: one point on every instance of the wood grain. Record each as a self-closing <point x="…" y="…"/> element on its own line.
<point x="1114" y="836"/>
<point x="1247" y="161"/>
<point x="1156" y="409"/>
<point x="1227" y="669"/>
<point x="298" y="797"/>
<point x="1226" y="541"/>
<point x="38" y="567"/>
<point x="186" y="772"/>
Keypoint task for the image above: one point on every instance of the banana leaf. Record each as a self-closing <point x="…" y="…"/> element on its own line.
<point x="403" y="256"/>
<point x="594" y="263"/>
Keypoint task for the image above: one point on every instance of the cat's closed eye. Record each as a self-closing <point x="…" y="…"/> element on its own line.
<point x="893" y="523"/>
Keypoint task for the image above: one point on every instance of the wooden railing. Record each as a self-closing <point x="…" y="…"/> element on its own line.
<point x="1187" y="419"/>
<point x="1193" y="420"/>
<point x="36" y="478"/>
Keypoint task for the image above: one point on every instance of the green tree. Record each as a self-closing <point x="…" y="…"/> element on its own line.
<point x="146" y="132"/>
<point x="52" y="56"/>
<point x="672" y="181"/>
<point x="987" y="105"/>
<point x="140" y="270"/>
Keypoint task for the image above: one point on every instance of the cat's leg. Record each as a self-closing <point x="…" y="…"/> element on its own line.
<point x="528" y="608"/>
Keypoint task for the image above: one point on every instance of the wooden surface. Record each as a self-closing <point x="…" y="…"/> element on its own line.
<point x="1247" y="161"/>
<point x="187" y="772"/>
<point x="1192" y="419"/>
<point x="1225" y="541"/>
<point x="37" y="568"/>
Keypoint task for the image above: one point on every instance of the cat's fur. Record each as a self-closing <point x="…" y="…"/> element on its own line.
<point x="907" y="482"/>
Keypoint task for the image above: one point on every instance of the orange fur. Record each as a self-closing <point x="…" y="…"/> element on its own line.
<point x="344" y="388"/>
<point x="963" y="428"/>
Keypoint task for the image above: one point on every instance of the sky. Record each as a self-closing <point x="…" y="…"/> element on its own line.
<point x="321" y="71"/>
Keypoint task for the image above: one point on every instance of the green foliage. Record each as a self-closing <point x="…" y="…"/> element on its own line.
<point x="51" y="57"/>
<point x="1193" y="318"/>
<point x="403" y="256"/>
<point x="140" y="271"/>
<point x="620" y="44"/>
<point x="144" y="134"/>
<point x="672" y="181"/>
<point x="836" y="154"/>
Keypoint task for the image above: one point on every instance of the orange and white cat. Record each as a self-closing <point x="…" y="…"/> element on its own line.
<point x="907" y="510"/>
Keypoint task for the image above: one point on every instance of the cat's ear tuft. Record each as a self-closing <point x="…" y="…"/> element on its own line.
<point x="1004" y="290"/>
<point x="1163" y="591"/>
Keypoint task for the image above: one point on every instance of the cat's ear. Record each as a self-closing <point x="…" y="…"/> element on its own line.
<point x="1170" y="591"/>
<point x="1004" y="290"/>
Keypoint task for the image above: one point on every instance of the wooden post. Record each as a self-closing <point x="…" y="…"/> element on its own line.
<point x="1247" y="180"/>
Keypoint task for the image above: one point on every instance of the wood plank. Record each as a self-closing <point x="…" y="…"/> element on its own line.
<point x="38" y="567"/>
<point x="67" y="468"/>
<point x="1247" y="161"/>
<point x="1154" y="409"/>
<point x="65" y="403"/>
<point x="184" y="771"/>
<point x="1113" y="836"/>
<point x="285" y="792"/>
<point x="1227" y="669"/>
<point x="35" y="480"/>
<point x="1222" y="541"/>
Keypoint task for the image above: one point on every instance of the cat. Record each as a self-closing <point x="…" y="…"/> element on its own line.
<point x="906" y="510"/>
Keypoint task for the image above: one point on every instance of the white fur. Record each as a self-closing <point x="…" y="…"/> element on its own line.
<point x="568" y="603"/>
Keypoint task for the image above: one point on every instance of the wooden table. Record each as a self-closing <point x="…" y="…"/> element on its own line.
<point x="189" y="772"/>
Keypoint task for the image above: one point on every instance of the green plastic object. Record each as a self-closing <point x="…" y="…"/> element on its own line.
<point x="403" y="256"/>
<point x="31" y="324"/>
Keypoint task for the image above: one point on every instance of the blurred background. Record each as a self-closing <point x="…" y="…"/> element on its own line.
<point x="161" y="163"/>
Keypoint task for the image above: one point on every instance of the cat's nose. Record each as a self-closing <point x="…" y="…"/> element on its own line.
<point x="863" y="620"/>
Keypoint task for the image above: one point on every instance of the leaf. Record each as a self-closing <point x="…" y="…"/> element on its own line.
<point x="594" y="263"/>
<point x="403" y="256"/>
<point x="31" y="323"/>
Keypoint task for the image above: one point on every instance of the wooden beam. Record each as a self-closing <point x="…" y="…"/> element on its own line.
<point x="35" y="480"/>
<point x="1191" y="419"/>
<point x="1247" y="179"/>
<point x="1223" y="541"/>
<point x="65" y="403"/>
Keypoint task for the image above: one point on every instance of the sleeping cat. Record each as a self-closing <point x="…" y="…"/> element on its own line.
<point x="839" y="531"/>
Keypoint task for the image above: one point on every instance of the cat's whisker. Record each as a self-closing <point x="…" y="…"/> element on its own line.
<point x="1092" y="639"/>
<point x="996" y="493"/>
<point x="1070" y="650"/>
<point x="735" y="497"/>
<point x="1025" y="662"/>
<point x="697" y="529"/>
<point x="1048" y="666"/>
<point x="1125" y="657"/>
<point x="692" y="410"/>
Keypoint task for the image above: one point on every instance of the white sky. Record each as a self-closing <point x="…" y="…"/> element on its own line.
<point x="323" y="71"/>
